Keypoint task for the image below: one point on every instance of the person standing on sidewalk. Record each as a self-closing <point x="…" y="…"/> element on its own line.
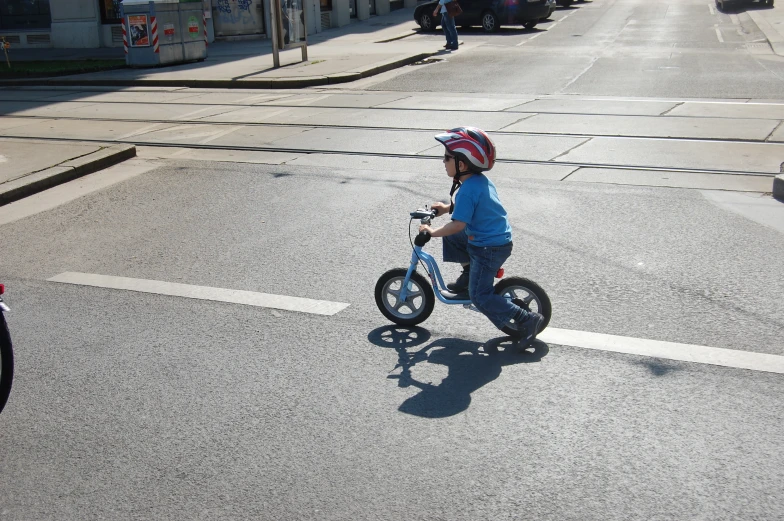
<point x="448" y="24"/>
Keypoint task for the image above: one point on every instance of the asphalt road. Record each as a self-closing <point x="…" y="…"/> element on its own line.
<point x="132" y="405"/>
<point x="635" y="48"/>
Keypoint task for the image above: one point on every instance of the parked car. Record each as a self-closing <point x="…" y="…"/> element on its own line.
<point x="551" y="5"/>
<point x="490" y="14"/>
<point x="722" y="4"/>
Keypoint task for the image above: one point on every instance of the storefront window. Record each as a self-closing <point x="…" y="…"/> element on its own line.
<point x="24" y="14"/>
<point x="110" y="11"/>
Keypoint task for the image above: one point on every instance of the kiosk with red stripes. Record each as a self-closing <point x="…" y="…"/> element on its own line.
<point x="154" y="31"/>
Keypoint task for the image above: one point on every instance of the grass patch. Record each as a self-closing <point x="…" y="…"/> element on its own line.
<point x="26" y="69"/>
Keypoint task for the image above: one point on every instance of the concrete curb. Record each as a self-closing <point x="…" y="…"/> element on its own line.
<point x="64" y="172"/>
<point x="262" y="83"/>
<point x="775" y="39"/>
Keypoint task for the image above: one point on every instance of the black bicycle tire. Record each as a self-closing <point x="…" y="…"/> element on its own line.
<point x="546" y="309"/>
<point x="422" y="282"/>
<point x="6" y="361"/>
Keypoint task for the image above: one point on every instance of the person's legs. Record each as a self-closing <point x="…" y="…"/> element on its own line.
<point x="485" y="263"/>
<point x="455" y="248"/>
<point x="450" y="31"/>
<point x="454" y="33"/>
<point x="445" y="27"/>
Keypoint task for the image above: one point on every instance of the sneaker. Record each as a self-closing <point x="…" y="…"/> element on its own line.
<point x="461" y="284"/>
<point x="529" y="327"/>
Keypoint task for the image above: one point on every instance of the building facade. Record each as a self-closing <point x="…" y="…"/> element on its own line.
<point x="96" y="23"/>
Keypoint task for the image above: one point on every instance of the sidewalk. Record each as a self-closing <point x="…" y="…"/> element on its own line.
<point x="349" y="53"/>
<point x="771" y="23"/>
<point x="31" y="166"/>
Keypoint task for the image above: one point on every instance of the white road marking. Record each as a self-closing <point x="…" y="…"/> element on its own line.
<point x="305" y="101"/>
<point x="67" y="192"/>
<point x="718" y="33"/>
<point x="221" y="134"/>
<point x="143" y="130"/>
<point x="667" y="350"/>
<point x="583" y="339"/>
<point x="735" y="19"/>
<point x="259" y="97"/>
<point x="3" y="159"/>
<point x="189" y="114"/>
<point x="528" y="40"/>
<point x="712" y="10"/>
<point x="248" y="298"/>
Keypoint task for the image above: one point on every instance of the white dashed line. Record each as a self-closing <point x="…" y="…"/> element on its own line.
<point x="718" y="33"/>
<point x="528" y="40"/>
<point x="159" y="287"/>
<point x="667" y="350"/>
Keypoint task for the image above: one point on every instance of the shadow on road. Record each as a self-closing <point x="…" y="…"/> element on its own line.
<point x="470" y="366"/>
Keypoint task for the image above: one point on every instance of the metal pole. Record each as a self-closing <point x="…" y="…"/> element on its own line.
<point x="274" y="16"/>
<point x="304" y="30"/>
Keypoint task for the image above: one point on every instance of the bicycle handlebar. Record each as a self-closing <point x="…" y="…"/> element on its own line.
<point x="424" y="214"/>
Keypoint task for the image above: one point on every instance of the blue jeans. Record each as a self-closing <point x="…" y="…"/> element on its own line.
<point x="448" y="24"/>
<point x="485" y="263"/>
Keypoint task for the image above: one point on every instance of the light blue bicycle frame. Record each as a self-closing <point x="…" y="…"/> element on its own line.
<point x="435" y="277"/>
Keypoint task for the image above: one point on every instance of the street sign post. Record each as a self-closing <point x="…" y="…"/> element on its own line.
<point x="289" y="28"/>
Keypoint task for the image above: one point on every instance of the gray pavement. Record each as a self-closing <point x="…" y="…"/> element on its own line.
<point x="689" y="143"/>
<point x="139" y="406"/>
<point x="31" y="166"/>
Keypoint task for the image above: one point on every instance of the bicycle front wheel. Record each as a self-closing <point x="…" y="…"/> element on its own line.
<point x="417" y="305"/>
<point x="6" y="363"/>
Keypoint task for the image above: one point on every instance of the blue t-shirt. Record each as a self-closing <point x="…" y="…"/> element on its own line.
<point x="477" y="205"/>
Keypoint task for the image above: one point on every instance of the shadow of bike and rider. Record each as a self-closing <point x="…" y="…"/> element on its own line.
<point x="470" y="366"/>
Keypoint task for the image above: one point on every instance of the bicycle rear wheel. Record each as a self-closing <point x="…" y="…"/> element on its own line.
<point x="6" y="363"/>
<point x="528" y="295"/>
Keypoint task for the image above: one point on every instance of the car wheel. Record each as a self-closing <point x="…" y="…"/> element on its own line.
<point x="490" y="22"/>
<point x="531" y="24"/>
<point x="427" y="22"/>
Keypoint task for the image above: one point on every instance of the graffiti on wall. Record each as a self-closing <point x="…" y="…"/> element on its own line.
<point x="235" y="12"/>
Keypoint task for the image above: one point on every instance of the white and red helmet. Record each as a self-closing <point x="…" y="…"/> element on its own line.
<point x="470" y="145"/>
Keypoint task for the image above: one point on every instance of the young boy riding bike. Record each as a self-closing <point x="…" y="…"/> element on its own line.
<point x="479" y="236"/>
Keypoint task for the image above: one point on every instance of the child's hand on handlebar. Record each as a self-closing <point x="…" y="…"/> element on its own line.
<point x="425" y="228"/>
<point x="440" y="208"/>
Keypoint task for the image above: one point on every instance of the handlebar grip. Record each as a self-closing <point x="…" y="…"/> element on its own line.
<point x="422" y="238"/>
